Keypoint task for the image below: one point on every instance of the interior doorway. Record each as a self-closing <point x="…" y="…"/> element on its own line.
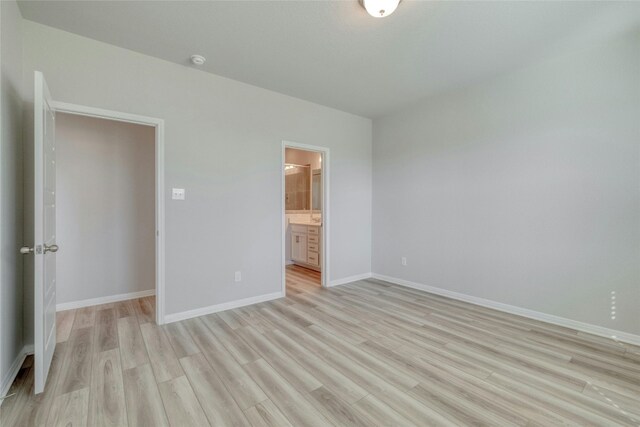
<point x="105" y="212"/>
<point x="146" y="224"/>
<point x="305" y="217"/>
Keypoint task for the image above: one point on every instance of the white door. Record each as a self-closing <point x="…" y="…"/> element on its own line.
<point x="44" y="248"/>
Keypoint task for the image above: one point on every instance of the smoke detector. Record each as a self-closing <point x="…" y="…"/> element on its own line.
<point x="198" y="59"/>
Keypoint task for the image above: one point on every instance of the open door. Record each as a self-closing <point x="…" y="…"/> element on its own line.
<point x="44" y="247"/>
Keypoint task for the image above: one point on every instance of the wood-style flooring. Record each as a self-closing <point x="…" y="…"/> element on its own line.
<point x="301" y="279"/>
<point x="367" y="354"/>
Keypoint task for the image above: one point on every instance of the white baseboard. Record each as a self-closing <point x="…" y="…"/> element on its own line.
<point x="176" y="317"/>
<point x="103" y="300"/>
<point x="349" y="279"/>
<point x="11" y="374"/>
<point x="525" y="312"/>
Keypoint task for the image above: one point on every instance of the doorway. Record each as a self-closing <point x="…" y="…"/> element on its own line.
<point x="147" y="216"/>
<point x="305" y="217"/>
<point x="105" y="210"/>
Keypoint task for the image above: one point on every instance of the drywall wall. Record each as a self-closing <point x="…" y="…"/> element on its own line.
<point x="224" y="146"/>
<point x="521" y="190"/>
<point x="11" y="312"/>
<point x="105" y="224"/>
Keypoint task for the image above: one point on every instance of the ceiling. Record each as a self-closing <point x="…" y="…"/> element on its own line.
<point x="332" y="52"/>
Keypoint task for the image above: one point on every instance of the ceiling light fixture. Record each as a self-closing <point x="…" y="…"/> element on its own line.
<point x="198" y="59"/>
<point x="380" y="8"/>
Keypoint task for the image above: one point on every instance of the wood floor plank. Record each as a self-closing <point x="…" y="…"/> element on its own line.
<point x="181" y="404"/>
<point x="239" y="349"/>
<point x="85" y="317"/>
<point x="266" y="414"/>
<point x="180" y="340"/>
<point x="70" y="409"/>
<point x="330" y="377"/>
<point x="163" y="360"/>
<point x="75" y="373"/>
<point x="107" y="330"/>
<point x="217" y="403"/>
<point x="334" y="409"/>
<point x="377" y="412"/>
<point x="244" y="390"/>
<point x="232" y="319"/>
<point x="144" y="404"/>
<point x="64" y="324"/>
<point x="106" y="401"/>
<point x="124" y="308"/>
<point x="292" y="404"/>
<point x="132" y="348"/>
<point x="286" y="366"/>
<point x="145" y="310"/>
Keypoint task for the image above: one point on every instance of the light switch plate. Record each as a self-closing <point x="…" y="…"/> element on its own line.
<point x="177" y="194"/>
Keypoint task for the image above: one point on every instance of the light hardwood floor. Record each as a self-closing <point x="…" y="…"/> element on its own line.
<point x="367" y="353"/>
<point x="302" y="279"/>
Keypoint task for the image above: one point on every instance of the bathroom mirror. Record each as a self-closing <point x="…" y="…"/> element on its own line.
<point x="297" y="183"/>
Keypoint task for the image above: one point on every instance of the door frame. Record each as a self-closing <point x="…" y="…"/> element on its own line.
<point x="158" y="125"/>
<point x="325" y="251"/>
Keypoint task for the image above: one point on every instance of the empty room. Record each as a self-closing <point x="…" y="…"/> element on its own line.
<point x="319" y="213"/>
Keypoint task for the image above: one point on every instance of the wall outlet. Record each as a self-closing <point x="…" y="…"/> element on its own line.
<point x="238" y="277"/>
<point x="404" y="260"/>
<point x="177" y="194"/>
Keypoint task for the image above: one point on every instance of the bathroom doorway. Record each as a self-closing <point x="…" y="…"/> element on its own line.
<point x="304" y="217"/>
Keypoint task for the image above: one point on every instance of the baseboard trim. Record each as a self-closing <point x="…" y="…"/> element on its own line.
<point x="176" y="317"/>
<point x="103" y="300"/>
<point x="11" y="374"/>
<point x="524" y="312"/>
<point x="349" y="279"/>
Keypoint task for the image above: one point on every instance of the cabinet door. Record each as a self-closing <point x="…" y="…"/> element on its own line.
<point x="299" y="247"/>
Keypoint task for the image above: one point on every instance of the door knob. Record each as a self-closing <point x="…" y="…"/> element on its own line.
<point x="26" y="250"/>
<point x="52" y="248"/>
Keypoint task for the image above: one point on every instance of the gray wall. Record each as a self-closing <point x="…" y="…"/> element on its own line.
<point x="10" y="187"/>
<point x="105" y="207"/>
<point x="522" y="190"/>
<point x="223" y="145"/>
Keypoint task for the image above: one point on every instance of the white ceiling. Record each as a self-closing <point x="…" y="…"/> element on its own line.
<point x="332" y="52"/>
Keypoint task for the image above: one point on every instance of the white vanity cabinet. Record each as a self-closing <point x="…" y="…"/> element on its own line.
<point x="305" y="245"/>
<point x="299" y="246"/>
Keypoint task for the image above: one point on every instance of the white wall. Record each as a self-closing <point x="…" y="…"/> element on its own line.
<point x="11" y="313"/>
<point x="105" y="181"/>
<point x="522" y="190"/>
<point x="223" y="145"/>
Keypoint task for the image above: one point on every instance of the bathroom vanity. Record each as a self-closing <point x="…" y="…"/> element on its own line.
<point x="306" y="241"/>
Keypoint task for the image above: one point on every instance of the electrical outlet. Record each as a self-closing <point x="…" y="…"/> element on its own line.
<point x="177" y="194"/>
<point x="404" y="261"/>
<point x="238" y="277"/>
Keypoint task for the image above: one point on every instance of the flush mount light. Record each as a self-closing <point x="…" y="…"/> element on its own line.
<point x="198" y="59"/>
<point x="380" y="8"/>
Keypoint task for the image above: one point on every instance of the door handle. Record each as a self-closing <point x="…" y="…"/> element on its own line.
<point x="25" y="250"/>
<point x="52" y="248"/>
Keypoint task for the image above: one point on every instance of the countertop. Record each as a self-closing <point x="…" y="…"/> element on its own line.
<point x="314" y="224"/>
